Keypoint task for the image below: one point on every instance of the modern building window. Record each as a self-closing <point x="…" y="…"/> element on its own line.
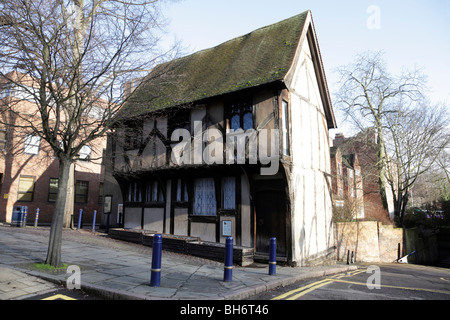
<point x="52" y="189"/>
<point x="229" y="193"/>
<point x="241" y="116"/>
<point x="3" y="138"/>
<point x="26" y="188"/>
<point x="81" y="191"/>
<point x="285" y="128"/>
<point x="85" y="153"/>
<point x="32" y="144"/>
<point x="100" y="193"/>
<point x="340" y="203"/>
<point x="204" y="197"/>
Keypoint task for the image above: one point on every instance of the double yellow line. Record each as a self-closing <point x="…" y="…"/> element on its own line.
<point x="293" y="295"/>
<point x="59" y="297"/>
<point x="300" y="292"/>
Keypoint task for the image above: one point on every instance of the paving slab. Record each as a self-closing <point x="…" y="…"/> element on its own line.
<point x="120" y="270"/>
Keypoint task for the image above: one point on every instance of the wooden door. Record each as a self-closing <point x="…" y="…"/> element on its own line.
<point x="270" y="216"/>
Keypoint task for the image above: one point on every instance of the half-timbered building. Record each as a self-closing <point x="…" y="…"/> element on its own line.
<point x="233" y="141"/>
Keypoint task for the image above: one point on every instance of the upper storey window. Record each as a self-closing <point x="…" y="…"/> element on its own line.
<point x="241" y="115"/>
<point x="285" y="128"/>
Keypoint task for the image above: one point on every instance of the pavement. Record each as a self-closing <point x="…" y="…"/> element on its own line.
<point x="118" y="270"/>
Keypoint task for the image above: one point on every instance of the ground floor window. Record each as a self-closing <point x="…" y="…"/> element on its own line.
<point x="134" y="192"/>
<point x="154" y="192"/>
<point x="26" y="188"/>
<point x="204" y="197"/>
<point x="182" y="191"/>
<point x="229" y="193"/>
<point x="100" y="193"/>
<point x="81" y="191"/>
<point x="52" y="189"/>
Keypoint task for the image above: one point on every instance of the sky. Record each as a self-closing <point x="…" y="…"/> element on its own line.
<point x="411" y="33"/>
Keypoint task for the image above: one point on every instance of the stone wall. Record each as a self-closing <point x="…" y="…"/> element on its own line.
<point x="370" y="241"/>
<point x="422" y="246"/>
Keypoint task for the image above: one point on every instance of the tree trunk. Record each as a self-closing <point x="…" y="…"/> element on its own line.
<point x="55" y="239"/>
<point x="404" y="203"/>
<point x="70" y="192"/>
<point x="381" y="166"/>
<point x="400" y="204"/>
<point x="397" y="208"/>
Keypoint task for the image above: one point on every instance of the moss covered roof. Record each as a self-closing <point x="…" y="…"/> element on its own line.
<point x="260" y="57"/>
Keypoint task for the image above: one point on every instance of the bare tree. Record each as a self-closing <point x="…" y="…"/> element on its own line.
<point x="443" y="162"/>
<point x="411" y="133"/>
<point x="417" y="135"/>
<point x="72" y="57"/>
<point x="369" y="93"/>
<point x="431" y="187"/>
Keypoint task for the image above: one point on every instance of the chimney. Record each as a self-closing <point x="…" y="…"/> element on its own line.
<point x="339" y="139"/>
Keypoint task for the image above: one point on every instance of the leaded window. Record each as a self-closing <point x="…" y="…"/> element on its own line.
<point x="241" y="116"/>
<point x="204" y="197"/>
<point x="229" y="193"/>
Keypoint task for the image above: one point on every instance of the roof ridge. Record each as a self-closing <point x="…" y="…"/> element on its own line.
<point x="258" y="57"/>
<point x="236" y="38"/>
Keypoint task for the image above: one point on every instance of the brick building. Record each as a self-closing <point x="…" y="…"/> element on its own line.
<point x="364" y="145"/>
<point x="28" y="168"/>
<point x="347" y="185"/>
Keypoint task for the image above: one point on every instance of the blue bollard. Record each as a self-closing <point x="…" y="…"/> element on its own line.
<point x="228" y="269"/>
<point x="36" y="218"/>
<point x="93" y="222"/>
<point x="80" y="216"/>
<point x="273" y="257"/>
<point x="107" y="222"/>
<point x="25" y="214"/>
<point x="155" y="280"/>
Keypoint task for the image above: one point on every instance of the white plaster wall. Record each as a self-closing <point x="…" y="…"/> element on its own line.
<point x="181" y="221"/>
<point x="154" y="219"/>
<point x="197" y="132"/>
<point x="312" y="209"/>
<point x="154" y="154"/>
<point x="246" y="234"/>
<point x="168" y="204"/>
<point x="206" y="231"/>
<point x="133" y="218"/>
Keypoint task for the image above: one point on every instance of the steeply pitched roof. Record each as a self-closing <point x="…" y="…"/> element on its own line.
<point x="348" y="159"/>
<point x="260" y="57"/>
<point x="333" y="151"/>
